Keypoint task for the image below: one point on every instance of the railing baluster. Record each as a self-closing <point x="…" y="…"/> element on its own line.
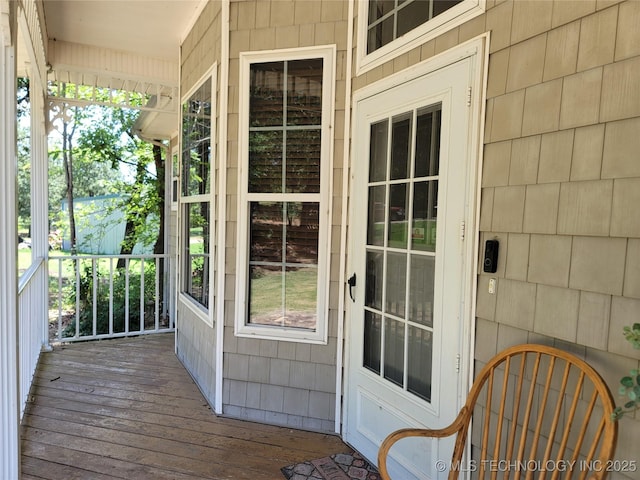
<point x="157" y="297"/>
<point x="60" y="299"/>
<point x="94" y="276"/>
<point x="95" y="294"/>
<point x="111" y="296"/>
<point x="31" y="316"/>
<point x="77" y="264"/>
<point x="142" y="294"/>
<point x="126" y="296"/>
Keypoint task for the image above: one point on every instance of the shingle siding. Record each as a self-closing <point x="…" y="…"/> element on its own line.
<point x="560" y="183"/>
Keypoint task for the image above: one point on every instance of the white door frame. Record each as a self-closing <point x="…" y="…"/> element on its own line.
<point x="478" y="50"/>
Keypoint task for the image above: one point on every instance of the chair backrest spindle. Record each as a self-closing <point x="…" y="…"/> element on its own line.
<point x="547" y="418"/>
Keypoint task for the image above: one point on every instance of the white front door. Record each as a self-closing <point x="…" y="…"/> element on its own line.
<point x="413" y="196"/>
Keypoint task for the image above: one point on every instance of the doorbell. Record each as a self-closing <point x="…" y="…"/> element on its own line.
<point x="491" y="256"/>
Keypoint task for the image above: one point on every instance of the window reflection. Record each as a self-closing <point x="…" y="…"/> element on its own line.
<point x="196" y="280"/>
<point x="283" y="263"/>
<point x="285" y="140"/>
<point x="388" y="20"/>
<point x="196" y="187"/>
<point x="196" y="142"/>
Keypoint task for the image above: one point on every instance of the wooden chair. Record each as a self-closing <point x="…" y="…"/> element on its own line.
<point x="563" y="421"/>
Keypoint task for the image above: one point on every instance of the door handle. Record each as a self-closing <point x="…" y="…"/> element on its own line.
<point x="352" y="283"/>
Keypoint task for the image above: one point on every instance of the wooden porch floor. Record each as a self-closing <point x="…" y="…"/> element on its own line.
<point x="127" y="409"/>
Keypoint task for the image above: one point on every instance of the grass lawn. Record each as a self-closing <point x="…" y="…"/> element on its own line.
<point x="300" y="292"/>
<point x="24" y="259"/>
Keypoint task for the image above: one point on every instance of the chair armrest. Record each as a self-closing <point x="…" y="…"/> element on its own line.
<point x="459" y="423"/>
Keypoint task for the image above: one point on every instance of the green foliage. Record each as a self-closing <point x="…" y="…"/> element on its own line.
<point x="120" y="289"/>
<point x="630" y="384"/>
<point x="24" y="153"/>
<point x="23" y="99"/>
<point x="24" y="176"/>
<point x="629" y="388"/>
<point x="107" y="158"/>
<point x="632" y="334"/>
<point x="91" y="176"/>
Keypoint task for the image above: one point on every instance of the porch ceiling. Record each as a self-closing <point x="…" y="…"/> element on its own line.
<point x="149" y="28"/>
<point x="131" y="45"/>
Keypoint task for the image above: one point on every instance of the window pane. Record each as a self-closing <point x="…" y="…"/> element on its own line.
<point x="377" y="209"/>
<point x="266" y="94"/>
<point x="373" y="292"/>
<point x="266" y="231"/>
<point x="196" y="170"/>
<point x="265" y="295"/>
<point x="398" y="199"/>
<point x="400" y="147"/>
<point x="425" y="212"/>
<point x="394" y="351"/>
<point x="300" y="297"/>
<point x="304" y="92"/>
<point x="428" y="143"/>
<point x="412" y="15"/>
<point x="265" y="161"/>
<point x="440" y="6"/>
<point x="303" y="222"/>
<point x="196" y="281"/>
<point x="378" y="152"/>
<point x="380" y="34"/>
<point x="420" y="362"/>
<point x="283" y="298"/>
<point x="303" y="161"/>
<point x="298" y="223"/>
<point x="372" y="341"/>
<point x="196" y="142"/>
<point x="421" y="290"/>
<point x="379" y="8"/>
<point x="283" y="267"/>
<point x="396" y="283"/>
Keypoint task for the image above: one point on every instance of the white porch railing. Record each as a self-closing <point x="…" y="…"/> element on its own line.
<point x="92" y="297"/>
<point x="32" y="288"/>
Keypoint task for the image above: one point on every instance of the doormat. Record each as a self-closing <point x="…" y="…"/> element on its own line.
<point x="341" y="466"/>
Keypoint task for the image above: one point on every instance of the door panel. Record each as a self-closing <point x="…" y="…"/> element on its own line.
<point x="405" y="325"/>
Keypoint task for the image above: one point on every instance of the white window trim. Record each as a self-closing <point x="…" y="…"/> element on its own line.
<point x="200" y="311"/>
<point x="242" y="329"/>
<point x="429" y="30"/>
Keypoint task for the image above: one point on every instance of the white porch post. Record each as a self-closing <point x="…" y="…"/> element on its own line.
<point x="40" y="193"/>
<point x="9" y="375"/>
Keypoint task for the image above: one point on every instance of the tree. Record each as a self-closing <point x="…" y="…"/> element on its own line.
<point x="100" y="154"/>
<point x="113" y="142"/>
<point x="67" y="163"/>
<point x="24" y="154"/>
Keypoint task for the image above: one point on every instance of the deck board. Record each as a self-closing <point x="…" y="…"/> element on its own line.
<point x="127" y="409"/>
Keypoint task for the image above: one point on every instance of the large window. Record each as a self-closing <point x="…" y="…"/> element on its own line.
<point x="388" y="28"/>
<point x="284" y="212"/>
<point x="196" y="195"/>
